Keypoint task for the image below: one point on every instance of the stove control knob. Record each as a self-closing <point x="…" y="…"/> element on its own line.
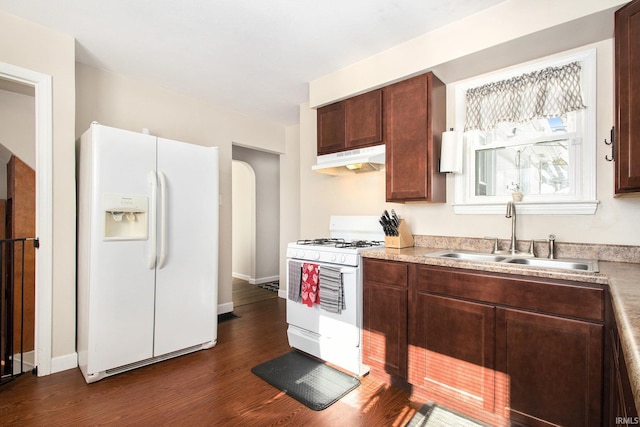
<point x="343" y="259"/>
<point x="301" y="254"/>
<point x="316" y="256"/>
<point x="333" y="258"/>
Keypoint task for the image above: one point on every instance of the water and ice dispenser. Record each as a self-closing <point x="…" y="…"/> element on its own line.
<point x="125" y="216"/>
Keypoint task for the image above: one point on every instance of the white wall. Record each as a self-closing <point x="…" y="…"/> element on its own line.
<point x="243" y="220"/>
<point x="18" y="125"/>
<point x="118" y="101"/>
<point x="39" y="49"/>
<point x="614" y="221"/>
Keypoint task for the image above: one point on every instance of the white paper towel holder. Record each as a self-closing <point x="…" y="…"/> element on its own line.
<point x="450" y="153"/>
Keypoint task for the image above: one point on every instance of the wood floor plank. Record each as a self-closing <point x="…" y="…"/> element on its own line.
<point x="213" y="387"/>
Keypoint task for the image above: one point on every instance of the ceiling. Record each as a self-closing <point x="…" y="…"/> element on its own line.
<point x="252" y="56"/>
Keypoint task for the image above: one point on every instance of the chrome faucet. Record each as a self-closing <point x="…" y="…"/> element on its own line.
<point x="511" y="213"/>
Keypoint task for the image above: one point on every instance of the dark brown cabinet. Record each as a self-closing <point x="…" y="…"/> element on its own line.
<point x="622" y="408"/>
<point x="331" y="128"/>
<point x="385" y="317"/>
<point x="353" y="123"/>
<point x="552" y="368"/>
<point x="414" y="118"/>
<point x="499" y="348"/>
<point x="627" y="94"/>
<point x="452" y="350"/>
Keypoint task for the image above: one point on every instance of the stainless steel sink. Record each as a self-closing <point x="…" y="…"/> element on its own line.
<point x="584" y="265"/>
<point x="470" y="256"/>
<point x="563" y="264"/>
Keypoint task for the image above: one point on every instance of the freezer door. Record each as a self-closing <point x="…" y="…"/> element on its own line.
<point x="115" y="284"/>
<point x="187" y="270"/>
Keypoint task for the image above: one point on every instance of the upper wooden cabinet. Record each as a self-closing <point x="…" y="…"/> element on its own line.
<point x="331" y="128"/>
<point x="627" y="83"/>
<point x="414" y="119"/>
<point x="353" y="123"/>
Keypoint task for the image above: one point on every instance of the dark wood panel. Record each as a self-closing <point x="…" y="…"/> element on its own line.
<point x="414" y="118"/>
<point x="526" y="292"/>
<point x="21" y="190"/>
<point x="627" y="83"/>
<point x="451" y="351"/>
<point x="331" y="128"/>
<point x="387" y="272"/>
<point x="364" y="120"/>
<point x="385" y="328"/>
<point x="211" y="387"/>
<point x="554" y="368"/>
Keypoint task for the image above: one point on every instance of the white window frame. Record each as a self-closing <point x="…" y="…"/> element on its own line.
<point x="582" y="201"/>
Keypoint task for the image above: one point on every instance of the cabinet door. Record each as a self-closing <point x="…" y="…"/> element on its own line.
<point x="384" y="319"/>
<point x="385" y="328"/>
<point x="414" y="117"/>
<point x="627" y="81"/>
<point x="364" y="120"/>
<point x="451" y="351"/>
<point x="553" y="367"/>
<point x="331" y="128"/>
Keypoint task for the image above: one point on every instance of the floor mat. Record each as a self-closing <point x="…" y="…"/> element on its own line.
<point x="226" y="316"/>
<point x="431" y="415"/>
<point x="306" y="379"/>
<point x="273" y="287"/>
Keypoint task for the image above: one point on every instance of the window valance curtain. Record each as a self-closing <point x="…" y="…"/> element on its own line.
<point x="549" y="92"/>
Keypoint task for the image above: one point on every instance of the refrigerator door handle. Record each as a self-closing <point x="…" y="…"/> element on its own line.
<point x="163" y="220"/>
<point x="153" y="179"/>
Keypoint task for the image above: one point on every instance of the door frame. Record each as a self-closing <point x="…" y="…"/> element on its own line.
<point x="44" y="207"/>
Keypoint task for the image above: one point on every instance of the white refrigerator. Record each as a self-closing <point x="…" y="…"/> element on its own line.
<point x="147" y="250"/>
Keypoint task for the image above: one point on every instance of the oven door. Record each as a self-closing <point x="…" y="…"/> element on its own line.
<point x="343" y="328"/>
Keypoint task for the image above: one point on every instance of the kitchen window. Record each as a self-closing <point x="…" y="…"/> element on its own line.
<point x="530" y="129"/>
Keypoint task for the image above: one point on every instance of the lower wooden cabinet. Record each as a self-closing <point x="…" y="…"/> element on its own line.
<point x="384" y="336"/>
<point x="622" y="409"/>
<point x="504" y="349"/>
<point x="452" y="350"/>
<point x="550" y="367"/>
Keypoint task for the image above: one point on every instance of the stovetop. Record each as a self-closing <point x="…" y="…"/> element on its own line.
<point x="330" y="250"/>
<point x="339" y="243"/>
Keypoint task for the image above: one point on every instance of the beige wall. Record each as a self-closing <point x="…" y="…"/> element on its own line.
<point x="614" y="221"/>
<point x="18" y="125"/>
<point x="36" y="48"/>
<point x="118" y="101"/>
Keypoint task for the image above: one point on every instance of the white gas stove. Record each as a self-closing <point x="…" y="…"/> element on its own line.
<point x="330" y="336"/>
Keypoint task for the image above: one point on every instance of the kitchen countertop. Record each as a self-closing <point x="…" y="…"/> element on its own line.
<point x="621" y="277"/>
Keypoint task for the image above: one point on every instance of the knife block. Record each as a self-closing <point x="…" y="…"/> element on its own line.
<point x="404" y="239"/>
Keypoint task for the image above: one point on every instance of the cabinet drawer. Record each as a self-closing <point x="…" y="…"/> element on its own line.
<point x="559" y="297"/>
<point x="386" y="272"/>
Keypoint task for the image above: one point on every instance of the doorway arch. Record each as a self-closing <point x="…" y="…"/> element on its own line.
<point x="243" y="222"/>
<point x="44" y="206"/>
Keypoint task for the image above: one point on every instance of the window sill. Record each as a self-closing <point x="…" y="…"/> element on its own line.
<point x="530" y="208"/>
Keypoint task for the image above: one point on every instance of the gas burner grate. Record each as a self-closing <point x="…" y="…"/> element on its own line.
<point x="321" y="242"/>
<point x="359" y="244"/>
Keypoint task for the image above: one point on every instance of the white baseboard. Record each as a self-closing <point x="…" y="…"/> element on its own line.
<point x="282" y="293"/>
<point x="261" y="280"/>
<point x="225" y="308"/>
<point x="255" y="280"/>
<point x="241" y="276"/>
<point x="62" y="363"/>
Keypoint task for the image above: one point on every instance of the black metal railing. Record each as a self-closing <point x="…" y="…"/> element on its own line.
<point x="12" y="304"/>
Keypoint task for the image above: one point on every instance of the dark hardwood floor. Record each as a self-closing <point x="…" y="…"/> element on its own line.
<point x="208" y="388"/>
<point x="244" y="293"/>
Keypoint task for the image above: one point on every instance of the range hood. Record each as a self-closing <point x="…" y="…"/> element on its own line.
<point x="346" y="162"/>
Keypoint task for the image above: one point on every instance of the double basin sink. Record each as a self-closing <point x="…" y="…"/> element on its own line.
<point x="526" y="260"/>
